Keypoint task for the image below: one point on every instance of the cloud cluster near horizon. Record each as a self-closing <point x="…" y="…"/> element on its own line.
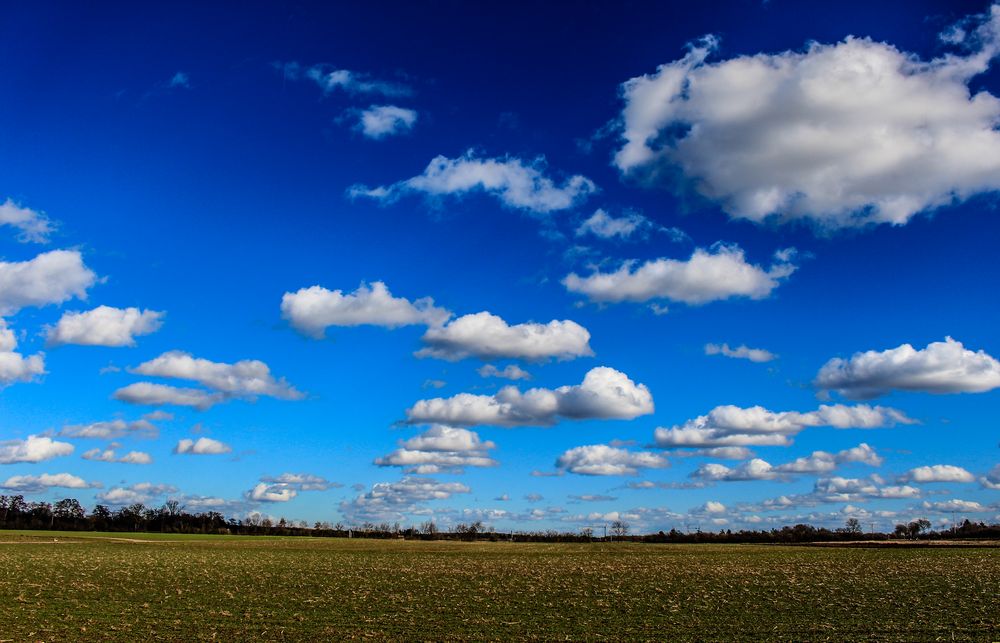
<point x="727" y="426"/>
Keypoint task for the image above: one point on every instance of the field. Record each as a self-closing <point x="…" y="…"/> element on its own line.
<point x="63" y="586"/>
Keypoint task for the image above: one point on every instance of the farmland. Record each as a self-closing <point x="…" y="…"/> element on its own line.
<point x="59" y="586"/>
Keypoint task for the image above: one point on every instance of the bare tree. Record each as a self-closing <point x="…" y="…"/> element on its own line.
<point x="172" y="507"/>
<point x="619" y="528"/>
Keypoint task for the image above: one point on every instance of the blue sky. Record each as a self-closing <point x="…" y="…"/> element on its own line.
<point x="541" y="266"/>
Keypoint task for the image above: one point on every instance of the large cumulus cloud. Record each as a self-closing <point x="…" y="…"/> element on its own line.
<point x="845" y="134"/>
<point x="604" y="394"/>
<point x="941" y="367"/>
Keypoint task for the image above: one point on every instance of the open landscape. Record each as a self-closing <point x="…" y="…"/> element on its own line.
<point x="500" y="320"/>
<point x="88" y="586"/>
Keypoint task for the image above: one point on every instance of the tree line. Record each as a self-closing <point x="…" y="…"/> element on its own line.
<point x="69" y="515"/>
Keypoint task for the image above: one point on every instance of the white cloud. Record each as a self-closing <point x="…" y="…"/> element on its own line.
<point x="214" y="503"/>
<point x="992" y="479"/>
<point x="244" y="379"/>
<point x="816" y="462"/>
<point x="50" y="278"/>
<point x="312" y="310"/>
<point x="180" y="79"/>
<point x="509" y="372"/>
<point x="725" y="453"/>
<point x="603" y="460"/>
<point x="941" y="367"/>
<point x="264" y="492"/>
<point x="287" y="487"/>
<point x="487" y="336"/>
<point x="781" y="502"/>
<point x="513" y="182"/>
<point x="719" y="273"/>
<point x="139" y="493"/>
<point x="100" y="455"/>
<point x="302" y="481"/>
<point x="32" y="226"/>
<point x="904" y="491"/>
<point x="712" y="507"/>
<point x="755" y="469"/>
<point x="440" y="449"/>
<point x="379" y="121"/>
<point x="605" y="393"/>
<point x="447" y="438"/>
<point x="104" y="326"/>
<point x="149" y="394"/>
<point x="202" y="446"/>
<point x="45" y="481"/>
<point x="111" y="430"/>
<point x="34" y="448"/>
<point x="825" y="462"/>
<point x="740" y="352"/>
<point x="8" y="341"/>
<point x="391" y="500"/>
<point x="937" y="473"/>
<point x="846" y="134"/>
<point x="756" y="426"/>
<point x="109" y="455"/>
<point x="861" y="454"/>
<point x="955" y="506"/>
<point x="603" y="225"/>
<point x="838" y="489"/>
<point x="15" y="367"/>
<point x="332" y="79"/>
<point x="136" y="457"/>
<point x="593" y="497"/>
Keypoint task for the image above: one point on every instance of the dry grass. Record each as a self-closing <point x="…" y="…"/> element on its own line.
<point x="132" y="587"/>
